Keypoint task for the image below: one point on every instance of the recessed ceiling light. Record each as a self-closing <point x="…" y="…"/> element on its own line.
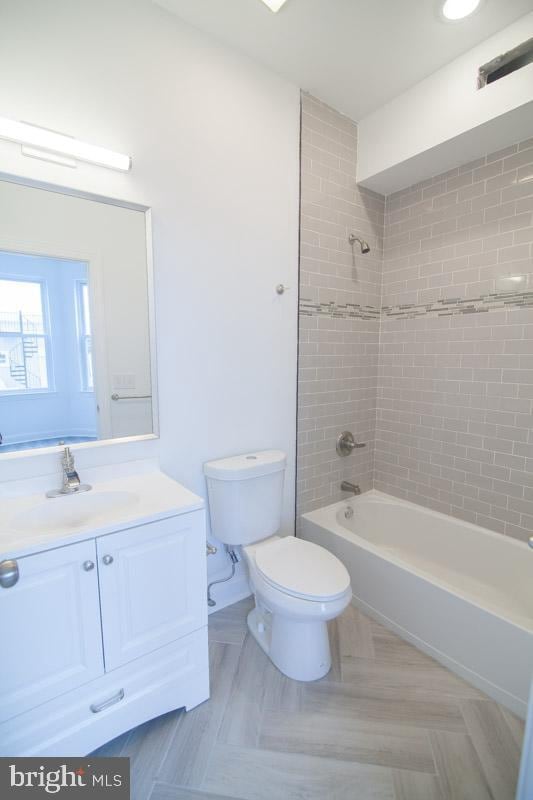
<point x="274" y="5"/>
<point x="458" y="9"/>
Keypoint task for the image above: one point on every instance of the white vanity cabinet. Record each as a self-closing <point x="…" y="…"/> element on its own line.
<point x="149" y="586"/>
<point x="102" y="635"/>
<point x="50" y="623"/>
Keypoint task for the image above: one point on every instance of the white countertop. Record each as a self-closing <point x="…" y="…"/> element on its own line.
<point x="151" y="495"/>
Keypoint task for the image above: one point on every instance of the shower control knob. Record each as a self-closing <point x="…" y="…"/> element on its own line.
<point x="346" y="443"/>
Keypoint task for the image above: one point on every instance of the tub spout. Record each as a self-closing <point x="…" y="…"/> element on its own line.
<point x="346" y="486"/>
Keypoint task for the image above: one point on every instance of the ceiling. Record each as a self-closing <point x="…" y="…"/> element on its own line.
<point x="354" y="55"/>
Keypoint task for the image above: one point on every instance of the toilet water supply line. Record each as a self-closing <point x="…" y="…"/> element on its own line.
<point x="234" y="558"/>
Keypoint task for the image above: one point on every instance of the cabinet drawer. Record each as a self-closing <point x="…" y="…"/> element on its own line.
<point x="50" y="624"/>
<point x="152" y="586"/>
<point x="83" y="719"/>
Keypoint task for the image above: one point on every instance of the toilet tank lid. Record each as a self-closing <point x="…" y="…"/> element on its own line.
<point x="248" y="465"/>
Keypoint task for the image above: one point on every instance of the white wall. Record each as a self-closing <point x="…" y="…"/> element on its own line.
<point x="214" y="140"/>
<point x="444" y="120"/>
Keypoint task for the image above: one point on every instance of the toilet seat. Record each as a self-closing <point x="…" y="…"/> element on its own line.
<point x="302" y="569"/>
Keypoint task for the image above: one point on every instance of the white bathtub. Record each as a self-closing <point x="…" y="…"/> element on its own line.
<point x="459" y="592"/>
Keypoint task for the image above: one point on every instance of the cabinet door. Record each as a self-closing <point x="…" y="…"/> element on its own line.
<point x="50" y="627"/>
<point x="152" y="586"/>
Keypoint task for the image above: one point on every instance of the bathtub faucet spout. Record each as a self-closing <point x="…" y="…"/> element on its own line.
<point x="346" y="486"/>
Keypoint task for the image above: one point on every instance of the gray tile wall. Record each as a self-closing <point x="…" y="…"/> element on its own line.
<point x="455" y="389"/>
<point x="339" y="301"/>
<point x="424" y="347"/>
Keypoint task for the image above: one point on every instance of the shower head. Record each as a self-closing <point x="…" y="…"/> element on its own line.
<point x="365" y="247"/>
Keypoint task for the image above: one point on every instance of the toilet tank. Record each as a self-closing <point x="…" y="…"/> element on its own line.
<point x="245" y="496"/>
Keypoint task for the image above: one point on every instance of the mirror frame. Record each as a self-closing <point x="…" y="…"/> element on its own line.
<point x="147" y="211"/>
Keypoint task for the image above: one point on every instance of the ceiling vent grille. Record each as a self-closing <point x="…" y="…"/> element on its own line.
<point x="503" y="65"/>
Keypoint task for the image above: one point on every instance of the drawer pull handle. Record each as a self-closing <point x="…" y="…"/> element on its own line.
<point x="88" y="565"/>
<point x="97" y="707"/>
<point x="9" y="573"/>
<point x="107" y="560"/>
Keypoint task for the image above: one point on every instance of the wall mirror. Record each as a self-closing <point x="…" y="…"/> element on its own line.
<point x="76" y="345"/>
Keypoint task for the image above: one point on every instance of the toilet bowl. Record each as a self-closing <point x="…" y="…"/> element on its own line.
<point x="298" y="586"/>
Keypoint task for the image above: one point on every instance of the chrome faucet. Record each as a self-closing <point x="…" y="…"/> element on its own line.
<point x="71" y="479"/>
<point x="354" y="488"/>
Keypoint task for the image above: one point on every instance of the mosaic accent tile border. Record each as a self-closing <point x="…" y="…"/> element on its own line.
<point x="453" y="306"/>
<point x="450" y="306"/>
<point x="334" y="310"/>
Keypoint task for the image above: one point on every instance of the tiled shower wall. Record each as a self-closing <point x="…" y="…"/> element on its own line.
<point x="339" y="304"/>
<point x="434" y="368"/>
<point x="455" y="391"/>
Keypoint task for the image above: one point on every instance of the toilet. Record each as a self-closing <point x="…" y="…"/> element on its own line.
<point x="298" y="586"/>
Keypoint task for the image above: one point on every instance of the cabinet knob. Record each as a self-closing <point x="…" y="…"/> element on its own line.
<point x="88" y="565"/>
<point x="107" y="560"/>
<point x="9" y="573"/>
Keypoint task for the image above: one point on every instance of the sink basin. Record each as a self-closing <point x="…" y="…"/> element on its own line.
<point x="72" y="511"/>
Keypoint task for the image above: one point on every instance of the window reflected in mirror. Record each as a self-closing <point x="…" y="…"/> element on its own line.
<point x="45" y="348"/>
<point x="23" y="332"/>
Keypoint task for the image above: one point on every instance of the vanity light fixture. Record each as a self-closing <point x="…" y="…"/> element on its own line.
<point x="274" y="5"/>
<point x="459" y="9"/>
<point x="42" y="142"/>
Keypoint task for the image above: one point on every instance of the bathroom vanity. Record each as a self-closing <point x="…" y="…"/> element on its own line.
<point x="103" y="612"/>
<point x="102" y="609"/>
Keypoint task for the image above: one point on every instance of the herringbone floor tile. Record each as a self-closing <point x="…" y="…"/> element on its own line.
<point x="387" y="723"/>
